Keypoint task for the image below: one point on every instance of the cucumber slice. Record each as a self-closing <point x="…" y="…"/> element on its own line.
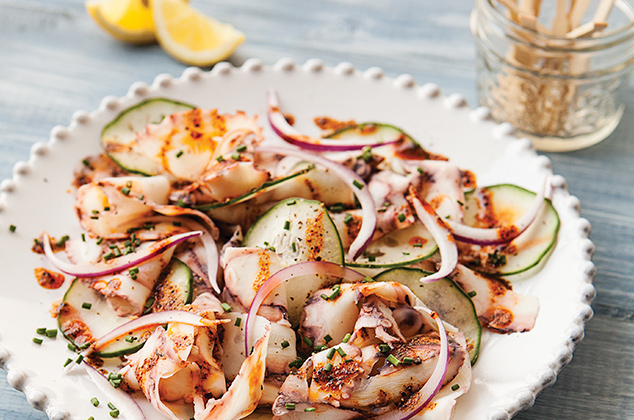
<point x="298" y="230"/>
<point x="118" y="135"/>
<point x="398" y="248"/>
<point x="264" y="188"/>
<point x="506" y="204"/>
<point x="81" y="325"/>
<point x="175" y="288"/>
<point x="445" y="297"/>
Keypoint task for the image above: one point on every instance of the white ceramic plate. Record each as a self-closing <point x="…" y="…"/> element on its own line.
<point x="511" y="370"/>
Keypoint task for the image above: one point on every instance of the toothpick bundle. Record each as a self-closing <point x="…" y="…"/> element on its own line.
<point x="539" y="94"/>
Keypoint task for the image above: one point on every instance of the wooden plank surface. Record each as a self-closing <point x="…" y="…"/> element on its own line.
<point x="54" y="60"/>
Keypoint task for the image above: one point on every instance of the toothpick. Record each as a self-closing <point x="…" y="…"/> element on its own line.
<point x="510" y="4"/>
<point x="603" y="11"/>
<point x="577" y="10"/>
<point x="560" y="22"/>
<point x="530" y="7"/>
<point x="586" y="29"/>
<point x="531" y="22"/>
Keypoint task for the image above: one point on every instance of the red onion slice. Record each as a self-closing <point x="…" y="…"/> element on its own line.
<point x="149" y="320"/>
<point x="501" y="235"/>
<point x="441" y="234"/>
<point x="119" y="398"/>
<point x="356" y="183"/>
<point x="288" y="133"/>
<point x="297" y="270"/>
<point x="117" y="264"/>
<point x="435" y="381"/>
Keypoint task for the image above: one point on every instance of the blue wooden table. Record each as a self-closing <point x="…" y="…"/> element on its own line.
<point x="54" y="60"/>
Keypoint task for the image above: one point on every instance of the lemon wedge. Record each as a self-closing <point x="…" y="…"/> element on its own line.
<point x="126" y="20"/>
<point x="191" y="37"/>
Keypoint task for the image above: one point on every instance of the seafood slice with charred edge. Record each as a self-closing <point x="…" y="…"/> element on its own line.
<point x="498" y="307"/>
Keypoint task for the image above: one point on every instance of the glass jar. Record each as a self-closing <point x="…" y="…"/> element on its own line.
<point x="561" y="91"/>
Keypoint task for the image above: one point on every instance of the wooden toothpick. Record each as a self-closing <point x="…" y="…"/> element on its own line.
<point x="586" y="30"/>
<point x="577" y="11"/>
<point x="603" y="11"/>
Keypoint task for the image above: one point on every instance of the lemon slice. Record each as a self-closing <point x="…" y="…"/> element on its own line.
<point x="190" y="36"/>
<point x="126" y="20"/>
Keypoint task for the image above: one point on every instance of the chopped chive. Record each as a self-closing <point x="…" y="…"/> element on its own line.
<point x="114" y="413"/>
<point x="285" y="344"/>
<point x="341" y="352"/>
<point x="322" y="347"/>
<point x="117" y="252"/>
<point x="408" y="360"/>
<point x="331" y="353"/>
<point x="346" y="338"/>
<point x="83" y="237"/>
<point x="128" y="184"/>
<point x="334" y="294"/>
<point x="336" y="208"/>
<point x="86" y="305"/>
<point x="324" y="296"/>
<point x="266" y="243"/>
<point x="71" y="347"/>
<point x="38" y="340"/>
<point x="12" y="228"/>
<point x="91" y="418"/>
<point x="179" y="154"/>
<point x="472" y="293"/>
<point x="420" y="170"/>
<point x="99" y="241"/>
<point x="418" y="245"/>
<point x="235" y="156"/>
<point x="180" y="203"/>
<point x="111" y="406"/>
<point x="220" y="159"/>
<point x="226" y="306"/>
<point x="406" y="253"/>
<point x="287" y="225"/>
<point x="393" y="360"/>
<point x="94" y="401"/>
<point x="51" y="333"/>
<point x="372" y="258"/>
<point x="327" y="338"/>
<point x="294" y="247"/>
<point x="241" y="149"/>
<point x="85" y="162"/>
<point x="368" y="279"/>
<point x="308" y="341"/>
<point x="94" y="217"/>
<point x="95" y="212"/>
<point x="79" y="359"/>
<point x="141" y="196"/>
<point x="106" y="208"/>
<point x="401" y="217"/>
<point x="366" y="154"/>
<point x="328" y="367"/>
<point x="239" y="321"/>
<point x="460" y="202"/>
<point x="357" y="184"/>
<point x="84" y="346"/>
<point x="310" y="409"/>
<point x="297" y="363"/>
<point x="289" y="406"/>
<point x="291" y="202"/>
<point x="41" y="330"/>
<point x="125" y="191"/>
<point x="62" y="240"/>
<point x="67" y="362"/>
<point x="384" y="348"/>
<point x="455" y="387"/>
<point x="108" y="256"/>
<point x="347" y="219"/>
<point x="271" y="248"/>
<point x="130" y="339"/>
<point x="349" y="360"/>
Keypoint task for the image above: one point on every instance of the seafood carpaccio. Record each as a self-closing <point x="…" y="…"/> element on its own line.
<point x="224" y="273"/>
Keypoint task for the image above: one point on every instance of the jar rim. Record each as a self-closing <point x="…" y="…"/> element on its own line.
<point x="615" y="36"/>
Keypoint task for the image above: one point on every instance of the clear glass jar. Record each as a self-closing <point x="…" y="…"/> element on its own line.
<point x="563" y="93"/>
